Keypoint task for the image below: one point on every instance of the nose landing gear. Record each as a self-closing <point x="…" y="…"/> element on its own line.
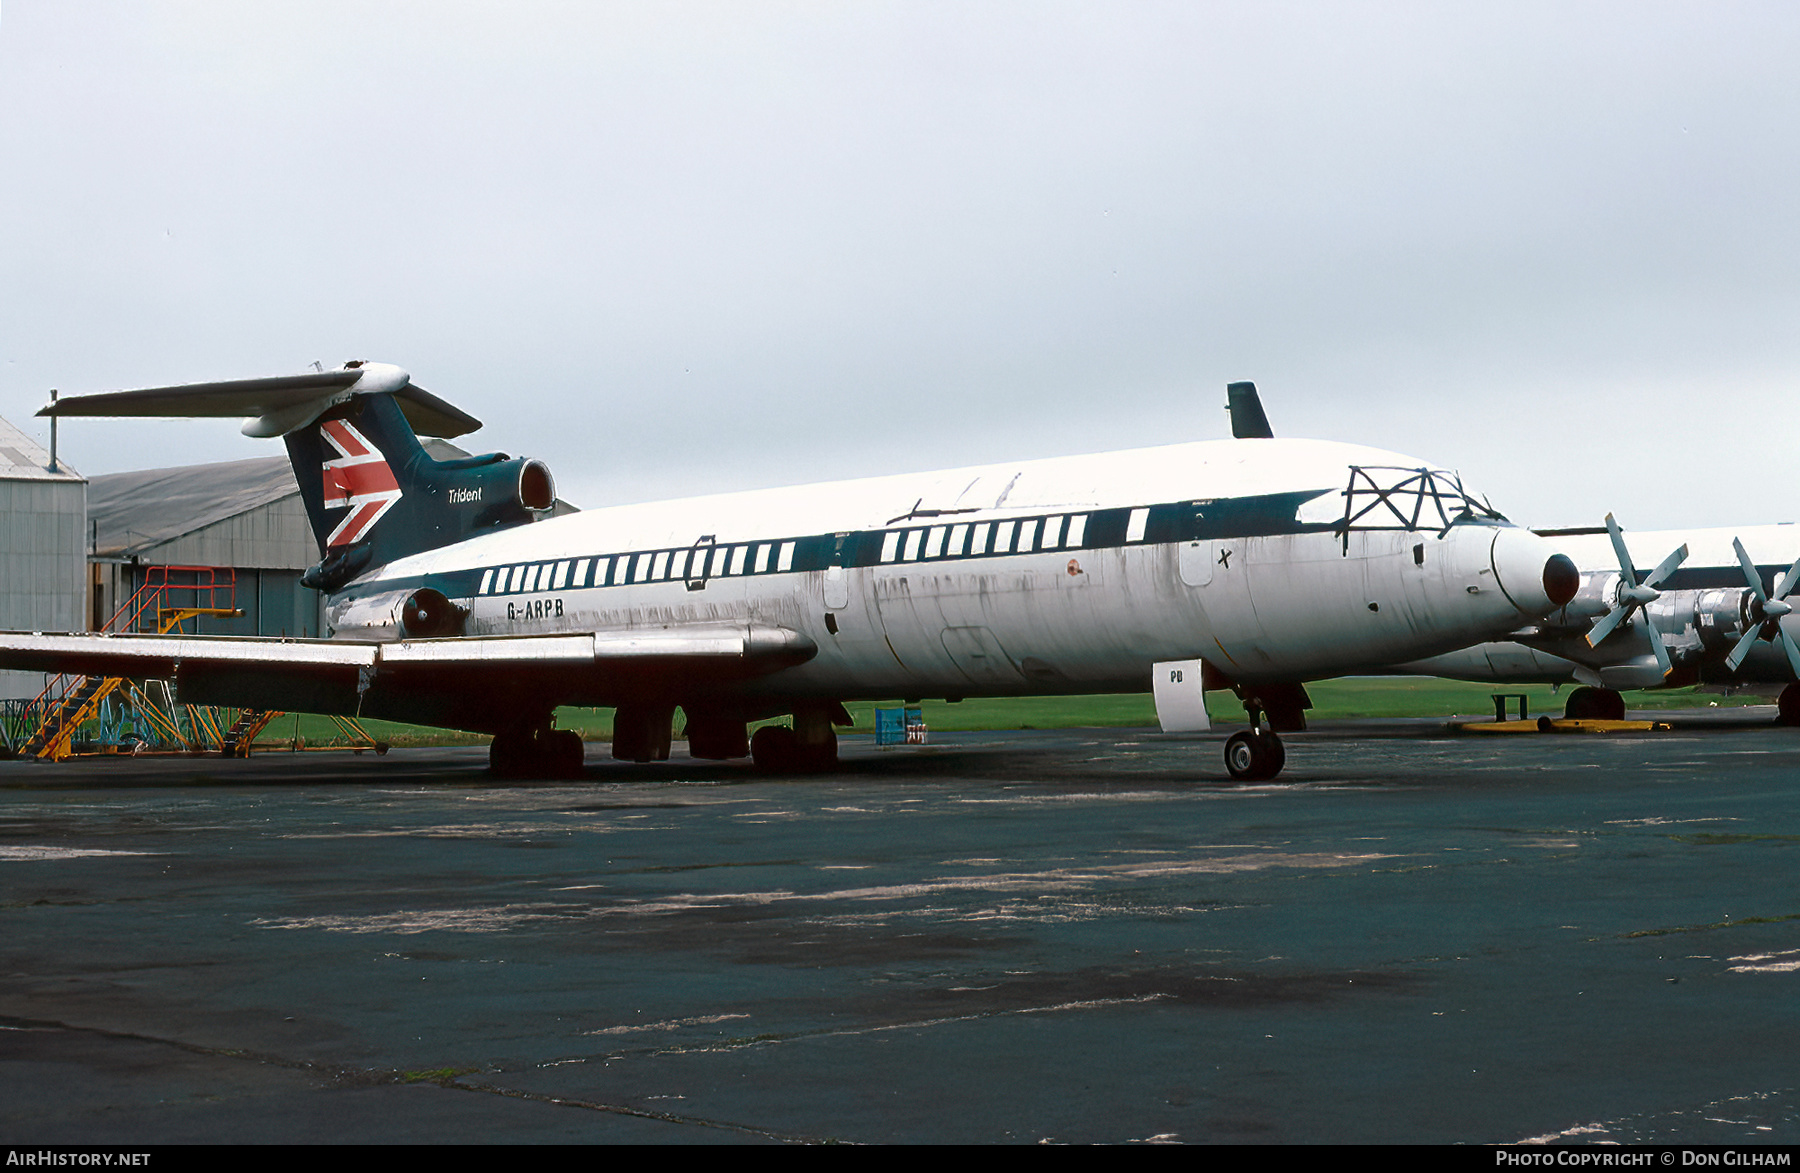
<point x="1254" y="756"/>
<point x="1257" y="755"/>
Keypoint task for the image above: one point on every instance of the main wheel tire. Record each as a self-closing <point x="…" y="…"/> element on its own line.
<point x="1594" y="704"/>
<point x="820" y="756"/>
<point x="509" y="754"/>
<point x="1788" y="706"/>
<point x="774" y="749"/>
<point x="564" y="753"/>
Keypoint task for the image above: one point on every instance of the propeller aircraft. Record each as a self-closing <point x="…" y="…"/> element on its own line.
<point x="1716" y="611"/>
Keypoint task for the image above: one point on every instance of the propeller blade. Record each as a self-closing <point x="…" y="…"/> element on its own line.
<point x="1742" y="649"/>
<point x="1750" y="573"/>
<point x="1785" y="587"/>
<point x="1667" y="566"/>
<point x="1793" y="652"/>
<point x="1656" y="645"/>
<point x="1618" y="543"/>
<point x="1605" y="627"/>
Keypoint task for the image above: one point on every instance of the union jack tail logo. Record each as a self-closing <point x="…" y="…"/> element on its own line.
<point x="359" y="480"/>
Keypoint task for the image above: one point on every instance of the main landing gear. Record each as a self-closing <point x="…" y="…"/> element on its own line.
<point x="536" y="752"/>
<point x="1789" y="702"/>
<point x="809" y="746"/>
<point x="1594" y="704"/>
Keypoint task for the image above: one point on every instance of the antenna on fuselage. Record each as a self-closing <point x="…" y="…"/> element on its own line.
<point x="1247" y="419"/>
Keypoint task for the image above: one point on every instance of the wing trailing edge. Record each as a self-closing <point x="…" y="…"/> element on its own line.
<point x="477" y="683"/>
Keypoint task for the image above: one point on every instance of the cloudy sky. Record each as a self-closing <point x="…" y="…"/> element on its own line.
<point x="677" y="248"/>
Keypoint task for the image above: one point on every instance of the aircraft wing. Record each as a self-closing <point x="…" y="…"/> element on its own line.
<point x="471" y="682"/>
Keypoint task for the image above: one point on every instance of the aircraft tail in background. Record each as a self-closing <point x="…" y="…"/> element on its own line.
<point x="372" y="492"/>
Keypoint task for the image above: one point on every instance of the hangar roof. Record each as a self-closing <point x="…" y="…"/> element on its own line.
<point x="132" y="511"/>
<point x="24" y="459"/>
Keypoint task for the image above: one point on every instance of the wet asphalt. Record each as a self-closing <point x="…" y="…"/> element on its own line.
<point x="1084" y="936"/>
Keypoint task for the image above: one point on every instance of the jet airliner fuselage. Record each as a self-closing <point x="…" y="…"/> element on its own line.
<point x="1260" y="563"/>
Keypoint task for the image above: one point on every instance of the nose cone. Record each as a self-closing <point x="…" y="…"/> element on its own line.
<point x="1533" y="576"/>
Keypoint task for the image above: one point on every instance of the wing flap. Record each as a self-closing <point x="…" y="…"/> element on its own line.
<point x="477" y="682"/>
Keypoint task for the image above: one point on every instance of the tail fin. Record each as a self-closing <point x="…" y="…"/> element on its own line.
<point x="1248" y="422"/>
<point x="372" y="492"/>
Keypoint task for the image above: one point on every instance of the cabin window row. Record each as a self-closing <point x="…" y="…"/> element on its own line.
<point x="1063" y="531"/>
<point x="971" y="539"/>
<point x="689" y="562"/>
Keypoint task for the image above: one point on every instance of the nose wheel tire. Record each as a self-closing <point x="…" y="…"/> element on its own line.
<point x="1254" y="757"/>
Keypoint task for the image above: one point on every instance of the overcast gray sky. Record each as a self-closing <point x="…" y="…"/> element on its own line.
<point x="677" y="248"/>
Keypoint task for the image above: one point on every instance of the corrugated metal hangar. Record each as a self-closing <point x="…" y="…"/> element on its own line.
<point x="236" y="531"/>
<point x="43" y="571"/>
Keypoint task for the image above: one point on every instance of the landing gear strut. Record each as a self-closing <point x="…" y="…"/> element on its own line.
<point x="536" y="752"/>
<point x="1257" y="755"/>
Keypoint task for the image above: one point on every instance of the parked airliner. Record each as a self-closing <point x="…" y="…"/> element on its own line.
<point x="1714" y="610"/>
<point x="1253" y="564"/>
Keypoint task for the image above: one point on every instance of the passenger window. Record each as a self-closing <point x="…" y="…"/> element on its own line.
<point x="934" y="545"/>
<point x="762" y="557"/>
<point x="487" y="577"/>
<point x="562" y="576"/>
<point x="959" y="536"/>
<point x="787" y="557"/>
<point x="914" y="539"/>
<point x="1077" y="531"/>
<point x="737" y="558"/>
<point x="982" y="532"/>
<point x="1008" y="532"/>
<point x="890" y="545"/>
<point x="1134" y="529"/>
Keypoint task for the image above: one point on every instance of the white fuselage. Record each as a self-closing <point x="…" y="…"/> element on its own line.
<point x="1073" y="574"/>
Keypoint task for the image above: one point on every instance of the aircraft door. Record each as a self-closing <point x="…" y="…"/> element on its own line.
<point x="699" y="567"/>
<point x="837" y="588"/>
<point x="1196" y="559"/>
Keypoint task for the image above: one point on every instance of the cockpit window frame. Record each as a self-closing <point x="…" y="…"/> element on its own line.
<point x="1451" y="502"/>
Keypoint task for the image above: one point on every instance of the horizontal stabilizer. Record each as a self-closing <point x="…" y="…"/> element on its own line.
<point x="280" y="404"/>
